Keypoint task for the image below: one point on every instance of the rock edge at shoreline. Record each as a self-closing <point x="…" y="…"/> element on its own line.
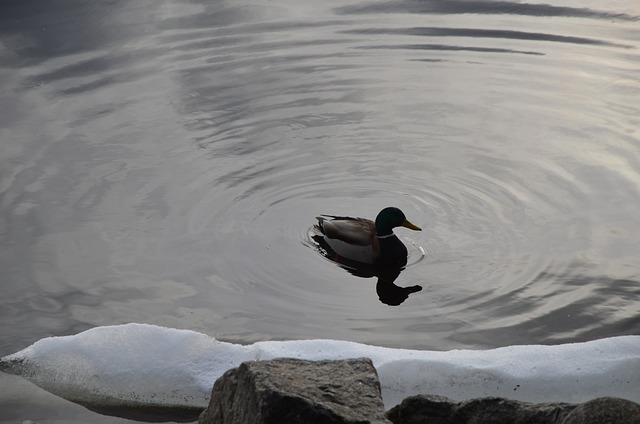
<point x="292" y="391"/>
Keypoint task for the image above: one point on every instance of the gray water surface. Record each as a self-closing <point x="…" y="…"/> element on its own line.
<point x="163" y="162"/>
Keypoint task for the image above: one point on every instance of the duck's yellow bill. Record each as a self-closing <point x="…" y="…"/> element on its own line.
<point x="409" y="225"/>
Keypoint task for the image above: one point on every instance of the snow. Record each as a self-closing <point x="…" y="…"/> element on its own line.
<point x="147" y="365"/>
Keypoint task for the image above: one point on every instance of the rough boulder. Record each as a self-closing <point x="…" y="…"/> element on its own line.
<point x="292" y="391"/>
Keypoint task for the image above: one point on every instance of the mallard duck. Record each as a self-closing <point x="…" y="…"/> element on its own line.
<point x="362" y="240"/>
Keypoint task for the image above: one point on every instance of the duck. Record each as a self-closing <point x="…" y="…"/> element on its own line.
<point x="365" y="241"/>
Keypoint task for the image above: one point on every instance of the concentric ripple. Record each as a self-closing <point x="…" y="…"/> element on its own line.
<point x="482" y="135"/>
<point x="169" y="171"/>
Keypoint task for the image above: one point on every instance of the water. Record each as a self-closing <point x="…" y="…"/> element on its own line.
<point x="163" y="162"/>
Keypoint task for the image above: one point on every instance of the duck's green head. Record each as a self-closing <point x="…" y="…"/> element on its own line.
<point x="391" y="217"/>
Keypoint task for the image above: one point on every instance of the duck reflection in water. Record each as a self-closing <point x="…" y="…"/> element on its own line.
<point x="368" y="249"/>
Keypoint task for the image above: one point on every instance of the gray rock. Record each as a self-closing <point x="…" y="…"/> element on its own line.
<point x="498" y="411"/>
<point x="292" y="391"/>
<point x="420" y="409"/>
<point x="605" y="410"/>
<point x="423" y="409"/>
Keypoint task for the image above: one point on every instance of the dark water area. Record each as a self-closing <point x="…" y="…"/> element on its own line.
<point x="163" y="162"/>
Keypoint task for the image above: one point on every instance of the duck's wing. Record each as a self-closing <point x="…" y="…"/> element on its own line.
<point x="357" y="231"/>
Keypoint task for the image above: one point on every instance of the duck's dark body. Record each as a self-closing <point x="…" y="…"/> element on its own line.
<point x="393" y="253"/>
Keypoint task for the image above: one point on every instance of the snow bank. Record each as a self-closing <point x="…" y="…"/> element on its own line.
<point x="140" y="364"/>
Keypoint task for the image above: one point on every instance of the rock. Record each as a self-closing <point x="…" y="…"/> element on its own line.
<point x="498" y="411"/>
<point x="420" y="409"/>
<point x="605" y="410"/>
<point x="441" y="410"/>
<point x="430" y="409"/>
<point x="292" y="391"/>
